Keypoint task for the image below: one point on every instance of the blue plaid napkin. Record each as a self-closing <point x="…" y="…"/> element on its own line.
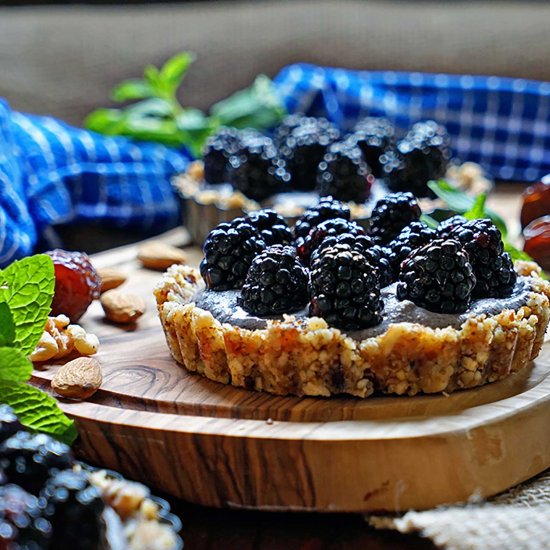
<point x="501" y="123"/>
<point x="52" y="173"/>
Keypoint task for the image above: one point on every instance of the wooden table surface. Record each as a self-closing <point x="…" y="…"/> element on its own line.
<point x="215" y="529"/>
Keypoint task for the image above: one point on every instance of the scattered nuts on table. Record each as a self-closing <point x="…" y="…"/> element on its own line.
<point x="121" y="307"/>
<point x="160" y="256"/>
<point x="60" y="339"/>
<point x="110" y="278"/>
<point x="78" y="379"/>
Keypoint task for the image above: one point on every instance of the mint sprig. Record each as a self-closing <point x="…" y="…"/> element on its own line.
<point x="26" y="293"/>
<point x="158" y="115"/>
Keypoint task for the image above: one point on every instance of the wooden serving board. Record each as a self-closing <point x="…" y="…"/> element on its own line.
<point x="222" y="446"/>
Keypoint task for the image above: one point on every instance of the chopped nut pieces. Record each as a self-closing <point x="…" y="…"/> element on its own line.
<point x="60" y="339"/>
<point x="122" y="308"/>
<point x="159" y="256"/>
<point x="110" y="278"/>
<point x="78" y="379"/>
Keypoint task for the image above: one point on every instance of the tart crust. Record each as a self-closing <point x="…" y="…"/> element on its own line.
<point x="307" y="357"/>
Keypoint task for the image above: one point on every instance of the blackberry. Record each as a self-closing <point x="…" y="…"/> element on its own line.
<point x="318" y="234"/>
<point x="374" y="254"/>
<point x="74" y="508"/>
<point x="493" y="267"/>
<point x="228" y="252"/>
<point x="22" y="522"/>
<point x="276" y="283"/>
<point x="9" y="424"/>
<point x="217" y="151"/>
<point x="345" y="289"/>
<point x="373" y="135"/>
<point x="256" y="169"/>
<point x="446" y="226"/>
<point x="28" y="459"/>
<point x="326" y="209"/>
<point x="287" y="125"/>
<point x="391" y="214"/>
<point x="413" y="236"/>
<point x="423" y="155"/>
<point x="344" y="174"/>
<point x="272" y="227"/>
<point x="304" y="148"/>
<point x="438" y="277"/>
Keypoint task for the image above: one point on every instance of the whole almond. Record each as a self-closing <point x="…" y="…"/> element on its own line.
<point x="120" y="307"/>
<point x="78" y="379"/>
<point x="160" y="256"/>
<point x="110" y="278"/>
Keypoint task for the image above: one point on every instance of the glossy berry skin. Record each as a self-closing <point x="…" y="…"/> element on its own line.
<point x="492" y="266"/>
<point x="77" y="283"/>
<point x="413" y="236"/>
<point x="304" y="148"/>
<point x="276" y="283"/>
<point x="228" y="252"/>
<point x="28" y="459"/>
<point x="257" y="171"/>
<point x="272" y="227"/>
<point x="422" y="155"/>
<point x="287" y="125"/>
<point x="391" y="214"/>
<point x="22" y="522"/>
<point x="438" y="277"/>
<point x="9" y="424"/>
<point x="445" y="228"/>
<point x="344" y="174"/>
<point x="326" y="209"/>
<point x="318" y="234"/>
<point x="217" y="151"/>
<point x="345" y="290"/>
<point x="374" y="254"/>
<point x="374" y="135"/>
<point x="74" y="508"/>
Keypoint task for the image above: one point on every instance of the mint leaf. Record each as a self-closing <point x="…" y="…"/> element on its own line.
<point x="27" y="286"/>
<point x="174" y="69"/>
<point x="132" y="89"/>
<point x="7" y="326"/>
<point x="14" y="365"/>
<point x="477" y="210"/>
<point x="37" y="410"/>
<point x="105" y="121"/>
<point x="429" y="221"/>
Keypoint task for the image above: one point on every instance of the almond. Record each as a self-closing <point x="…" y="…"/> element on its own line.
<point x="110" y="278"/>
<point x="78" y="379"/>
<point x="120" y="307"/>
<point x="159" y="256"/>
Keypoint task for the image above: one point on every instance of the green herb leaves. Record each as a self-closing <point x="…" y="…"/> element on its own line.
<point x="158" y="115"/>
<point x="26" y="293"/>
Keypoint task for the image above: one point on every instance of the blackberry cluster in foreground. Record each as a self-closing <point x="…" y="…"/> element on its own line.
<point x="493" y="268"/>
<point x="272" y="227"/>
<point x="256" y="170"/>
<point x="345" y="289"/>
<point x="276" y="283"/>
<point x="344" y="174"/>
<point x="216" y="154"/>
<point x="326" y="209"/>
<point x="438" y="277"/>
<point x="228" y="253"/>
<point x="391" y="214"/>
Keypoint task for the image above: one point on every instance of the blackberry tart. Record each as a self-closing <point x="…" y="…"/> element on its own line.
<point x="306" y="158"/>
<point x="403" y="318"/>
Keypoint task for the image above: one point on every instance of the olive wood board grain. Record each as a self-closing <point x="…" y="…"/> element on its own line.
<point x="227" y="447"/>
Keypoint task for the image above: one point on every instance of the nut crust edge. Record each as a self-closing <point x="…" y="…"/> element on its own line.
<point x="306" y="357"/>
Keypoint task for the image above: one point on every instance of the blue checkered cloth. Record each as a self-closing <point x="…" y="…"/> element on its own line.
<point x="501" y="123"/>
<point x="52" y="173"/>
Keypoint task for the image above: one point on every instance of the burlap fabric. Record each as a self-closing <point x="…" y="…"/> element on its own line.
<point x="518" y="519"/>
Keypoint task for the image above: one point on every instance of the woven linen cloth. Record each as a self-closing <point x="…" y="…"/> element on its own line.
<point x="52" y="173"/>
<point x="518" y="519"/>
<point x="501" y="123"/>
